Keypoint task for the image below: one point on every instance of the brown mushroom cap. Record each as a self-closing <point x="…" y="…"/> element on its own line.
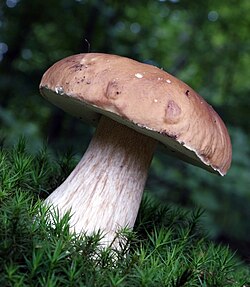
<point x="145" y="98"/>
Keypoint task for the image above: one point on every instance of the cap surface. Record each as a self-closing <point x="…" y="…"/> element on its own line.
<point x="144" y="98"/>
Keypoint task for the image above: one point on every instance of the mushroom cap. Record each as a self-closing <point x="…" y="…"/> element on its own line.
<point x="145" y="98"/>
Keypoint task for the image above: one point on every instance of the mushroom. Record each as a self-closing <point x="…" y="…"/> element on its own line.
<point x="134" y="106"/>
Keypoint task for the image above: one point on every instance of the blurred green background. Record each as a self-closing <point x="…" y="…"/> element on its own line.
<point x="204" y="43"/>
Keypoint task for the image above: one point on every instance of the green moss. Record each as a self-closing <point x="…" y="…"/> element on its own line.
<point x="167" y="247"/>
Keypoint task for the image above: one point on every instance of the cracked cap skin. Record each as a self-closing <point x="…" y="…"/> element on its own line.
<point x="145" y="98"/>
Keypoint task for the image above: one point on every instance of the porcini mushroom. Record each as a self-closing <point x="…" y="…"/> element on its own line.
<point x="135" y="106"/>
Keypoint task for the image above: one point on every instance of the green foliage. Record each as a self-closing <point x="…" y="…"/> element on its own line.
<point x="167" y="247"/>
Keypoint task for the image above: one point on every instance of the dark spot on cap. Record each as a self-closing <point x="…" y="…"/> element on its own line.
<point x="78" y="67"/>
<point x="173" y="136"/>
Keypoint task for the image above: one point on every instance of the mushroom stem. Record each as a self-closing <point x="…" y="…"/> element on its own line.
<point x="104" y="190"/>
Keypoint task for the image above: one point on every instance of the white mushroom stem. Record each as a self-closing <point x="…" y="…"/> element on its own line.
<point x="104" y="190"/>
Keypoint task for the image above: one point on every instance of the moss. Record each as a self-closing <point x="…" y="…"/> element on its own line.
<point x="168" y="246"/>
